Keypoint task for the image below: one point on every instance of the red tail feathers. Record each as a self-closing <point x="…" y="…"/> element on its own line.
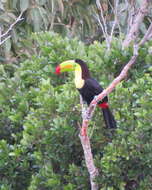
<point x="103" y="105"/>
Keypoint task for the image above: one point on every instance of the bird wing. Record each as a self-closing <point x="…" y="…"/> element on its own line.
<point x="93" y="89"/>
<point x="93" y="86"/>
<point x="90" y="89"/>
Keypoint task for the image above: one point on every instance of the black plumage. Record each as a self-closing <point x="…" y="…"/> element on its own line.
<point x="91" y="89"/>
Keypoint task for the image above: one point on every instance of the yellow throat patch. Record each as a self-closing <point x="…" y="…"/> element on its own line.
<point x="79" y="82"/>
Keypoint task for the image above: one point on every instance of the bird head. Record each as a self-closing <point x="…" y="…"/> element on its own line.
<point x="66" y="66"/>
<point x="71" y="65"/>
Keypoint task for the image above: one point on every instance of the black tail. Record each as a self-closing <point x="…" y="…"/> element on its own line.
<point x="109" y="118"/>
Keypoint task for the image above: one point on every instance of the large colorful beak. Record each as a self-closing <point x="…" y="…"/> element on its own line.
<point x="65" y="66"/>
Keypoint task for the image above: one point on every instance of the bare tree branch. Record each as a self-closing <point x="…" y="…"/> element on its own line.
<point x="103" y="24"/>
<point x="133" y="33"/>
<point x="85" y="141"/>
<point x="132" y="12"/>
<point x="116" y="81"/>
<point x="93" y="171"/>
<point x="115" y="11"/>
<point x="1" y="42"/>
<point x="147" y="36"/>
<point x="5" y="34"/>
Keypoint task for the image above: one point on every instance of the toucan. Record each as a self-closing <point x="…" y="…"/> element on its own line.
<point x="88" y="87"/>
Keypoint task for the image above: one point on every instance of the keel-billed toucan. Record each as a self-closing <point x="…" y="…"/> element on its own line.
<point x="87" y="87"/>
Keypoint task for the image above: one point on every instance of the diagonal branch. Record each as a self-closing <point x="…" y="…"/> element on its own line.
<point x="85" y="141"/>
<point x="1" y="42"/>
<point x="115" y="82"/>
<point x="147" y="36"/>
<point x="123" y="73"/>
<point x="5" y="35"/>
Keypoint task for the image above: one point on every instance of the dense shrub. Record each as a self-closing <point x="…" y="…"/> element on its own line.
<point x="40" y="116"/>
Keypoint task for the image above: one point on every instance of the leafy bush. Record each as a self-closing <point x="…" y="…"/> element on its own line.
<point x="40" y="116"/>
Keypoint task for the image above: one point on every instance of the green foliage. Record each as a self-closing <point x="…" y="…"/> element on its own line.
<point x="65" y="17"/>
<point x="128" y="158"/>
<point x="40" y="116"/>
<point x="72" y="18"/>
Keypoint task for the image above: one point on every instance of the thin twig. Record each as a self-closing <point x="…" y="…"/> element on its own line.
<point x="101" y="25"/>
<point x="147" y="36"/>
<point x="12" y="25"/>
<point x="115" y="11"/>
<point x="104" y="25"/>
<point x="4" y="35"/>
<point x="1" y="42"/>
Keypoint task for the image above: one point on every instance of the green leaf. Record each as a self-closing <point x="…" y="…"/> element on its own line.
<point x="24" y="5"/>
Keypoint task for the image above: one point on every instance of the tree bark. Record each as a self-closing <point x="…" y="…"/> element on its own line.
<point x="93" y="171"/>
<point x="133" y="32"/>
